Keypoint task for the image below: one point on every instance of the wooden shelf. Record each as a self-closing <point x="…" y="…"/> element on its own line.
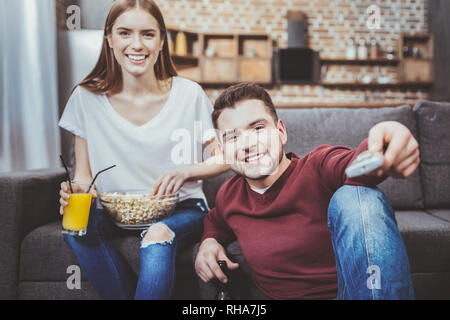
<point x="248" y="57"/>
<point x="221" y="84"/>
<point x="231" y="64"/>
<point x="219" y="58"/>
<point x="224" y="58"/>
<point x="401" y="85"/>
<point x="341" y="104"/>
<point x="416" y="36"/>
<point x="340" y="85"/>
<point x="416" y="53"/>
<point x="188" y="59"/>
<point x="378" y="61"/>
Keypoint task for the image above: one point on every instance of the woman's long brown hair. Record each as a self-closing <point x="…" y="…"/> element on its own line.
<point x="106" y="77"/>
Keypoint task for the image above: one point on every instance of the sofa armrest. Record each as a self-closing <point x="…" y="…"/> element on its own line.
<point x="28" y="200"/>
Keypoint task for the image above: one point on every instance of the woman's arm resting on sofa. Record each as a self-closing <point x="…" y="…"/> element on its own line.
<point x="171" y="182"/>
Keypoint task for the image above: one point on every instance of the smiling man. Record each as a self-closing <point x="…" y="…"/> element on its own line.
<point x="306" y="230"/>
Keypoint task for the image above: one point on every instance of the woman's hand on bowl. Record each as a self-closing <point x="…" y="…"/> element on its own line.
<point x="169" y="183"/>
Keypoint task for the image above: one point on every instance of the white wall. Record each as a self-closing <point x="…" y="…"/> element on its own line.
<point x="94" y="12"/>
<point x="78" y="52"/>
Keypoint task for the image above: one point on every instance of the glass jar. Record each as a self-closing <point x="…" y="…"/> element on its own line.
<point x="350" y="52"/>
<point x="362" y="50"/>
<point x="373" y="49"/>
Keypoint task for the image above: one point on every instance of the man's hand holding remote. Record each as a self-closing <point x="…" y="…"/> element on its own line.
<point x="401" y="157"/>
<point x="206" y="266"/>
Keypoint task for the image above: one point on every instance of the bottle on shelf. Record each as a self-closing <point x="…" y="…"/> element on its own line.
<point x="362" y="50"/>
<point x="223" y="289"/>
<point x="170" y="43"/>
<point x="406" y="51"/>
<point x="415" y="53"/>
<point x="350" y="52"/>
<point x="210" y="51"/>
<point x="181" y="44"/>
<point x="373" y="49"/>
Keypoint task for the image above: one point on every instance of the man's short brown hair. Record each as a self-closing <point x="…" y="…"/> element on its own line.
<point x="239" y="92"/>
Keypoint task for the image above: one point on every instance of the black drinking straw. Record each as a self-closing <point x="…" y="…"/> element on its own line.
<point x="67" y="173"/>
<point x="97" y="176"/>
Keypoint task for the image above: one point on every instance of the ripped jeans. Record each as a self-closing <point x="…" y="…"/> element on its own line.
<point x="112" y="276"/>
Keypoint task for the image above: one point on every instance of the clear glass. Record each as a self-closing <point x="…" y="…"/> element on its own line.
<point x="76" y="214"/>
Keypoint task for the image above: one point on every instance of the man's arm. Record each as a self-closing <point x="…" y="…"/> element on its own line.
<point x="400" y="159"/>
<point x="402" y="156"/>
<point x="216" y="235"/>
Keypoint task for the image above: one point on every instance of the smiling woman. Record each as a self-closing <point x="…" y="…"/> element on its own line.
<point x="118" y="35"/>
<point x="125" y="112"/>
<point x="141" y="45"/>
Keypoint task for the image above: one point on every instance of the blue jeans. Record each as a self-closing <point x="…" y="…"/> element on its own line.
<point x="112" y="276"/>
<point x="370" y="255"/>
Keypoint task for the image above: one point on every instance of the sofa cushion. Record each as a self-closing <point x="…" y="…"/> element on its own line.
<point x="309" y="128"/>
<point x="431" y="285"/>
<point x="212" y="185"/>
<point x="45" y="256"/>
<point x="443" y="214"/>
<point x="433" y="120"/>
<point x="54" y="290"/>
<point x="427" y="240"/>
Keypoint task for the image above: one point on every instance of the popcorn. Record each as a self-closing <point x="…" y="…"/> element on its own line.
<point x="132" y="208"/>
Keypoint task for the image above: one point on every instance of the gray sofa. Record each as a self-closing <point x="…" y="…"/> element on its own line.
<point x="34" y="258"/>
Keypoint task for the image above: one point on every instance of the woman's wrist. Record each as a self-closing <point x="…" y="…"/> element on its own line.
<point x="204" y="171"/>
<point x="82" y="179"/>
<point x="187" y="173"/>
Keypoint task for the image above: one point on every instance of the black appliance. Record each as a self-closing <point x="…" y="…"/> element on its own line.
<point x="296" y="66"/>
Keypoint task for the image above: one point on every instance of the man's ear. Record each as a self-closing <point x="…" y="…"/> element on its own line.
<point x="282" y="129"/>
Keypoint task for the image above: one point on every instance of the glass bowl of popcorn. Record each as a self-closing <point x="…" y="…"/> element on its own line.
<point x="134" y="209"/>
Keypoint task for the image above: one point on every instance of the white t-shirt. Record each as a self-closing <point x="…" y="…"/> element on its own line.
<point x="171" y="140"/>
<point x="260" y="191"/>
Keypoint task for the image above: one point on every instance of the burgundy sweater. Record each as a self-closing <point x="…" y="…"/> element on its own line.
<point x="283" y="233"/>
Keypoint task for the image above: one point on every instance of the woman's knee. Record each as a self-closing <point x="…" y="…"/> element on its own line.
<point x="158" y="233"/>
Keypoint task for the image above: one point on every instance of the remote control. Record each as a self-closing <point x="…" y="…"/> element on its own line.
<point x="366" y="162"/>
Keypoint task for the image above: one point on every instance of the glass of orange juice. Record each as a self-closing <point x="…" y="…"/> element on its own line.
<point x="76" y="214"/>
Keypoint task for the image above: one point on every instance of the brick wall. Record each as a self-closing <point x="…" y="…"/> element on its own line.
<point x="331" y="23"/>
